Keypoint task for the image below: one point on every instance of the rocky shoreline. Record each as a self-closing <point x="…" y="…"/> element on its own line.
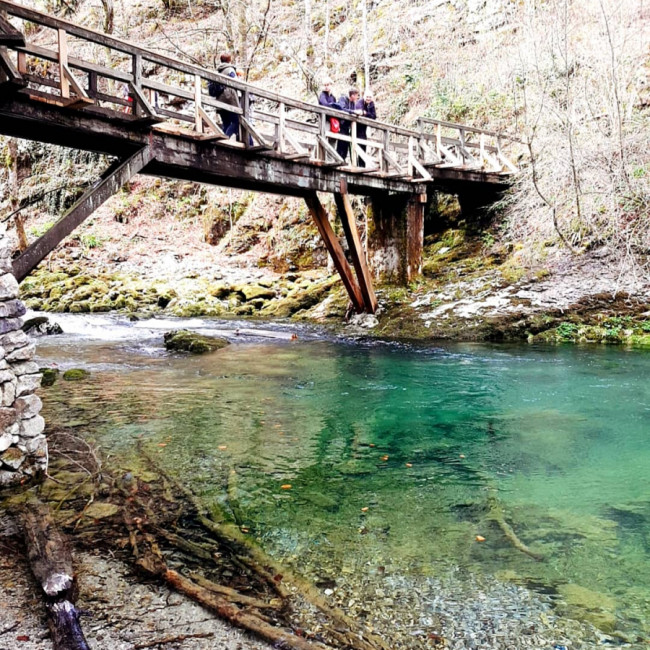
<point x="469" y="292"/>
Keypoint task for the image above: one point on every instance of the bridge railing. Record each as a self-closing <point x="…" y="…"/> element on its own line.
<point x="65" y="64"/>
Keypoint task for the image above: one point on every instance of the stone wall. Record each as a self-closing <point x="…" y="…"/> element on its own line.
<point x="23" y="447"/>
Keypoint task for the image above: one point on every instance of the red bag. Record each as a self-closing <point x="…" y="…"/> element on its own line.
<point x="335" y="125"/>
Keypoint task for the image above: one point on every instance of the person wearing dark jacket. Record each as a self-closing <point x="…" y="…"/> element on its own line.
<point x="328" y="100"/>
<point x="229" y="95"/>
<point x="347" y="105"/>
<point x="367" y="107"/>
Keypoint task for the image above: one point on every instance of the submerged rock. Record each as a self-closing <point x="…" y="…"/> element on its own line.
<point x="50" y="375"/>
<point x="75" y="374"/>
<point x="186" y="341"/>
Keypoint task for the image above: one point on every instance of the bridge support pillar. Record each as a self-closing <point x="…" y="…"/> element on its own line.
<point x="396" y="236"/>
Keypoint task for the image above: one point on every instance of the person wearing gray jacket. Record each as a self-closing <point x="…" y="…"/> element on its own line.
<point x="228" y="95"/>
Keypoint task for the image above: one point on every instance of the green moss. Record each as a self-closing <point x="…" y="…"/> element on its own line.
<point x="186" y="341"/>
<point x="50" y="375"/>
<point x="75" y="374"/>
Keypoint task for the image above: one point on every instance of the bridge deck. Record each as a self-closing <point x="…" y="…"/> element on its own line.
<point x="81" y="103"/>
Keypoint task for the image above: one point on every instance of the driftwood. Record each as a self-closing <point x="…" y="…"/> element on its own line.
<point x="496" y="513"/>
<point x="51" y="563"/>
<point x="286" y="583"/>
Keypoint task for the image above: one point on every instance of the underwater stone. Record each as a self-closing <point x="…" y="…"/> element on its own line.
<point x="50" y="375"/>
<point x="75" y="374"/>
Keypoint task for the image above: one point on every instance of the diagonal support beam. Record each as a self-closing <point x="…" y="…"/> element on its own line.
<point x="9" y="74"/>
<point x="9" y="35"/>
<point x="109" y="184"/>
<point x="344" y="208"/>
<point x="319" y="214"/>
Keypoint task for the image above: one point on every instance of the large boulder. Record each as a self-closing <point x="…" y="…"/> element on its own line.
<point x="186" y="341"/>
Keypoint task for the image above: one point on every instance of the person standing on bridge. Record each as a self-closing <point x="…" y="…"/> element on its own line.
<point x="228" y="95"/>
<point x="328" y="100"/>
<point x="367" y="106"/>
<point x="348" y="105"/>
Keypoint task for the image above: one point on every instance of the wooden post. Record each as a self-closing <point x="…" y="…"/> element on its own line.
<point x="462" y="145"/>
<point x="319" y="215"/>
<point x="282" y="125"/>
<point x="92" y="84"/>
<point x="320" y="150"/>
<point x="113" y="180"/>
<point x="64" y="84"/>
<point x="198" y="120"/>
<point x="356" y="249"/>
<point x="396" y="236"/>
<point x="353" y="145"/>
<point x="137" y="83"/>
<point x="244" y="135"/>
<point x="383" y="162"/>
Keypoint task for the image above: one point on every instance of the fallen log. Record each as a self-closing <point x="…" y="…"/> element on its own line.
<point x="51" y="562"/>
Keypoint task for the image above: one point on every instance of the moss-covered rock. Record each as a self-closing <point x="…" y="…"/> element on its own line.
<point x="76" y="374"/>
<point x="252" y="292"/>
<point x="50" y="375"/>
<point x="219" y="290"/>
<point x="299" y="299"/>
<point x="186" y="341"/>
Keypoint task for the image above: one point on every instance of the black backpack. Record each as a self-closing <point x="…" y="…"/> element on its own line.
<point x="215" y="89"/>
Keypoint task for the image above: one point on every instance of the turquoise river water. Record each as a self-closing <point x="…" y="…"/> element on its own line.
<point x="401" y="459"/>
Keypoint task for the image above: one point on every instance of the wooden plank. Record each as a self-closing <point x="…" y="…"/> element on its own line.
<point x="392" y="162"/>
<point x="359" y="262"/>
<point x="55" y="100"/>
<point x="217" y="132"/>
<point x="252" y="131"/>
<point x="9" y="35"/>
<point x="414" y="163"/>
<point x="111" y="182"/>
<point x="76" y="86"/>
<point x="143" y="105"/>
<point x="329" y="149"/>
<point x="333" y="246"/>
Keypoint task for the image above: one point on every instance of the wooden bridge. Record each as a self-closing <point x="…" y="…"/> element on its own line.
<point x="71" y="86"/>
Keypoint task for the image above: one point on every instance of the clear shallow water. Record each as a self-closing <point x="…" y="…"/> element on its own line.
<point x="397" y="456"/>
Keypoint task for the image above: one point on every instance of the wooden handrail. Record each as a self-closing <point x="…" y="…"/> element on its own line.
<point x="401" y="148"/>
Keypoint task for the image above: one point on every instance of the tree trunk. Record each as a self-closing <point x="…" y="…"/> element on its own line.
<point x="51" y="562"/>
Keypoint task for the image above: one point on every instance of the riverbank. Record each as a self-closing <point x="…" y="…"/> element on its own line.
<point x="472" y="289"/>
